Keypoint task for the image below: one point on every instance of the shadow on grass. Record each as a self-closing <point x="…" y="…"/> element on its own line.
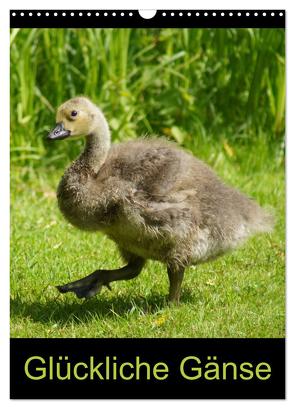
<point x="64" y="309"/>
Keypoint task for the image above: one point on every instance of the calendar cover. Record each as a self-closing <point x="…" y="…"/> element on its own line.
<point x="147" y="204"/>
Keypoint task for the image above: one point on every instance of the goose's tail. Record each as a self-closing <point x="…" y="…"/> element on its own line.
<point x="262" y="220"/>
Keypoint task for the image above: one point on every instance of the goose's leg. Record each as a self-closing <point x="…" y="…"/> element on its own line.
<point x="175" y="277"/>
<point x="91" y="285"/>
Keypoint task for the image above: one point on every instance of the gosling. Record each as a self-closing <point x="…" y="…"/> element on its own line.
<point x="153" y="199"/>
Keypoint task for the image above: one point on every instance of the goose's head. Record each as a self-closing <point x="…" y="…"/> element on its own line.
<point x="76" y="117"/>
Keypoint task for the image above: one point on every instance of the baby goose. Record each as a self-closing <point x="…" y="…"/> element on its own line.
<point x="154" y="200"/>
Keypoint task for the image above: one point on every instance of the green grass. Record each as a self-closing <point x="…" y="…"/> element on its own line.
<point x="239" y="295"/>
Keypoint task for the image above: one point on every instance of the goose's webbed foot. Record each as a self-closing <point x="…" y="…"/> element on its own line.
<point x="86" y="287"/>
<point x="92" y="284"/>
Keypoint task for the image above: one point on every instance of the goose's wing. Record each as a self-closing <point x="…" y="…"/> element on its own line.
<point x="153" y="178"/>
<point x="153" y="166"/>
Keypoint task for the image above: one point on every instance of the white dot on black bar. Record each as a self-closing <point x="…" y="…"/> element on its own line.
<point x="97" y="14"/>
<point x="114" y="14"/>
<point x="55" y="14"/>
<point x="281" y="14"/>
<point x="247" y="14"/>
<point x="230" y="14"/>
<point x="80" y="14"/>
<point x="13" y="14"/>
<point x="164" y="14"/>
<point x="105" y="14"/>
<point x="189" y="14"/>
<point x="205" y="14"/>
<point x="22" y="14"/>
<point x="239" y="14"/>
<point x="122" y="14"/>
<point x="72" y="14"/>
<point x="222" y="14"/>
<point x="197" y="14"/>
<point x="180" y="14"/>
<point x="46" y="14"/>
<point x="172" y="14"/>
<point x="88" y="14"/>
<point x="30" y="14"/>
<point x="255" y="14"/>
<point x="130" y="14"/>
<point x="38" y="14"/>
<point x="64" y="14"/>
<point x="213" y="14"/>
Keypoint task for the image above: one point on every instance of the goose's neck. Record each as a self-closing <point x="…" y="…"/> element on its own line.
<point x="97" y="145"/>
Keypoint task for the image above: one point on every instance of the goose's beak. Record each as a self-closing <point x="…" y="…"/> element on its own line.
<point x="59" y="132"/>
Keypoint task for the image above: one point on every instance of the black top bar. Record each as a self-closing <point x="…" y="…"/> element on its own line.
<point x="162" y="19"/>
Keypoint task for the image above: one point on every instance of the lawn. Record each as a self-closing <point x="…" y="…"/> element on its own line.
<point x="239" y="295"/>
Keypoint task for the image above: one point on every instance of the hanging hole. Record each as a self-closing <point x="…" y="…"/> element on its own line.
<point x="147" y="14"/>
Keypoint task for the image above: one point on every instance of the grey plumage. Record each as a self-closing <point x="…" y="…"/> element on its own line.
<point x="156" y="201"/>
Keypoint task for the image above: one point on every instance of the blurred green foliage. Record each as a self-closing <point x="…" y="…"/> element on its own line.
<point x="192" y="85"/>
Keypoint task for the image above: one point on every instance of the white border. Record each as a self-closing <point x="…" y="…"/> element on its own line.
<point x="151" y="4"/>
<point x="4" y="184"/>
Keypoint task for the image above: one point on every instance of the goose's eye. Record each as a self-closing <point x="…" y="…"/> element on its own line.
<point x="74" y="113"/>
